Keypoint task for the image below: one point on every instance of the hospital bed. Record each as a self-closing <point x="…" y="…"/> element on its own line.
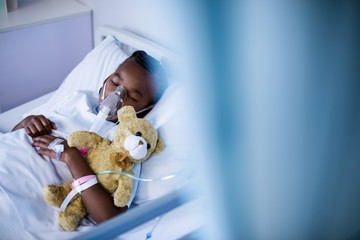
<point x="165" y="210"/>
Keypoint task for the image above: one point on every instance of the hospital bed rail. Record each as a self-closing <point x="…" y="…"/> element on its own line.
<point x="139" y="215"/>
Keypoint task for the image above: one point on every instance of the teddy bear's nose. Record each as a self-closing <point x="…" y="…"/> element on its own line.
<point x="136" y="146"/>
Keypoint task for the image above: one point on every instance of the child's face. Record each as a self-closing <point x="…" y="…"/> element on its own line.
<point x="137" y="82"/>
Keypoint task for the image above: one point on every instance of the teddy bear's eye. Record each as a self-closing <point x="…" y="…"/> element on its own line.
<point x="148" y="146"/>
<point x="138" y="134"/>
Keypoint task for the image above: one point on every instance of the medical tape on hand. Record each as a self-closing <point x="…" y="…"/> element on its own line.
<point x="55" y="143"/>
<point x="77" y="190"/>
<point x="57" y="147"/>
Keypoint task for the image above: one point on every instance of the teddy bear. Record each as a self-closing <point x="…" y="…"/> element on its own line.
<point x="135" y="139"/>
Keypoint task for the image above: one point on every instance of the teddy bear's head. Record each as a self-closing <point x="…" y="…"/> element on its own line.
<point x="136" y="136"/>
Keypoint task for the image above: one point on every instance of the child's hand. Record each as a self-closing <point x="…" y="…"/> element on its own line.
<point x="43" y="142"/>
<point x="37" y="125"/>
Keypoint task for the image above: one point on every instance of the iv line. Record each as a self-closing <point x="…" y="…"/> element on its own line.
<point x="150" y="233"/>
<point x="142" y="179"/>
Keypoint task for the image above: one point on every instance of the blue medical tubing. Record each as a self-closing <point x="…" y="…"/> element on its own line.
<point x="138" y="215"/>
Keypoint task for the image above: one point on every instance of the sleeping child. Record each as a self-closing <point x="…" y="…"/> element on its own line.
<point x="143" y="79"/>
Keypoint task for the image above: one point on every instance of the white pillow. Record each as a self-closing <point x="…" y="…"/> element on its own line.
<point x="169" y="118"/>
<point x="94" y="69"/>
<point x="89" y="74"/>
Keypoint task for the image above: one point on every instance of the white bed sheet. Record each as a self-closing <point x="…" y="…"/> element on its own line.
<point x="25" y="215"/>
<point x="24" y="173"/>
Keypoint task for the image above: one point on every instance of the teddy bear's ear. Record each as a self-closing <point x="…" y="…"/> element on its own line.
<point x="126" y="112"/>
<point x="160" y="145"/>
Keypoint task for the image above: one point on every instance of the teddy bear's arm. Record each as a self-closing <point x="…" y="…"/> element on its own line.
<point x="123" y="192"/>
<point x="84" y="139"/>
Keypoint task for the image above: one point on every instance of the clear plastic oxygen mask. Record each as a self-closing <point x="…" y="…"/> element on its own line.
<point x="108" y="108"/>
<point x="113" y="102"/>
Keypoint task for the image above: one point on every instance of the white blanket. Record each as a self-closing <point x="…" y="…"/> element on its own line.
<point x="25" y="215"/>
<point x="24" y="173"/>
<point x="23" y="212"/>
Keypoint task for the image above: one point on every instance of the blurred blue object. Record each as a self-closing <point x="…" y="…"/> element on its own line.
<point x="280" y="99"/>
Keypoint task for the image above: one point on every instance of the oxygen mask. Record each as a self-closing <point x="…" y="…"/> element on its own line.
<point x="113" y="102"/>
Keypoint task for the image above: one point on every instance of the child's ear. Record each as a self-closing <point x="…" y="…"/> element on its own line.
<point x="160" y="145"/>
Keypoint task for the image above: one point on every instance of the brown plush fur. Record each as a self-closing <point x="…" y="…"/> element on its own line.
<point x="105" y="155"/>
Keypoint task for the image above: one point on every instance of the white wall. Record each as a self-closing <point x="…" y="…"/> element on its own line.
<point x="162" y="21"/>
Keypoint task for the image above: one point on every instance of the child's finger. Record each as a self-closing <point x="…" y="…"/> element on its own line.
<point x="43" y="125"/>
<point x="32" y="130"/>
<point x="40" y="143"/>
<point x="46" y="152"/>
<point x="52" y="124"/>
<point x="28" y="132"/>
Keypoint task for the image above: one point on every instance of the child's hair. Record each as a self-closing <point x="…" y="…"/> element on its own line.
<point x="154" y="67"/>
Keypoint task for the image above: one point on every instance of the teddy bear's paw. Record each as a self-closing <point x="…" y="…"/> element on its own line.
<point x="121" y="201"/>
<point x="69" y="222"/>
<point x="73" y="214"/>
<point x="123" y="192"/>
<point x="54" y="195"/>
